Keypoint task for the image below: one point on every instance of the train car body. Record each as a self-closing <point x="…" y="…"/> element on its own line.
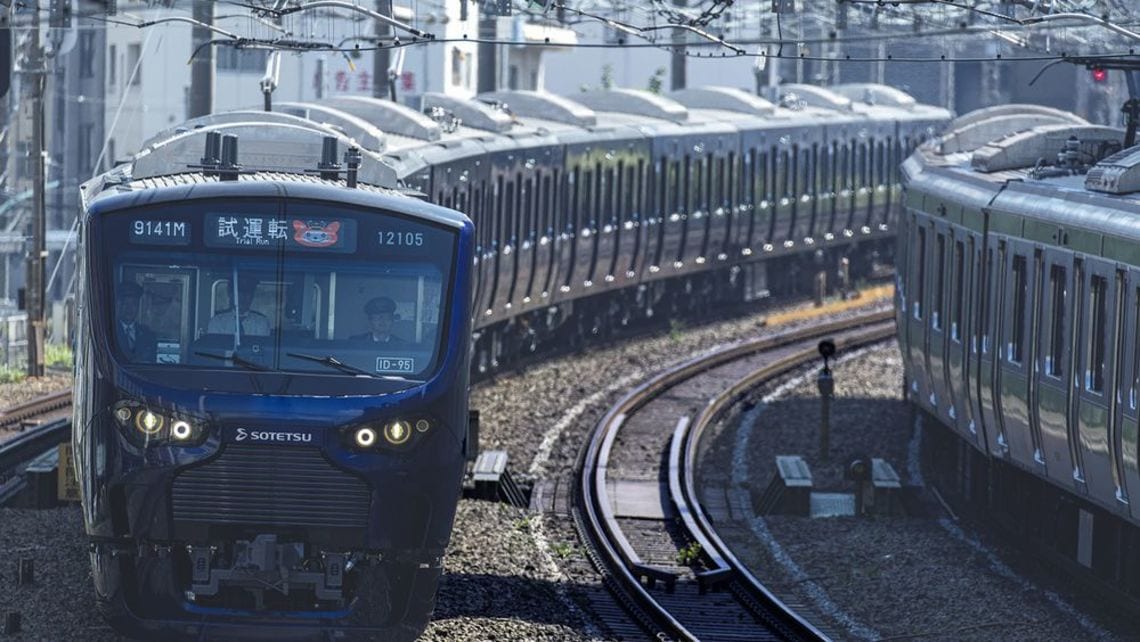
<point x="267" y="467"/>
<point x="1018" y="291"/>
<point x="588" y="214"/>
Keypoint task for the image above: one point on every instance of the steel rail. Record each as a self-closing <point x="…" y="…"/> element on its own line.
<point x="13" y="416"/>
<point x="744" y="583"/>
<point x="597" y="523"/>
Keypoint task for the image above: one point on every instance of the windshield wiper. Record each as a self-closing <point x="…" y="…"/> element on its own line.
<point x="245" y="363"/>
<point x="333" y="362"/>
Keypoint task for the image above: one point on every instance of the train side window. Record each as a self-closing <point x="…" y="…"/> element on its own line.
<point x="940" y="282"/>
<point x="1020" y="280"/>
<point x="1058" y="304"/>
<point x="1098" y="303"/>
<point x="920" y="259"/>
<point x="959" y="291"/>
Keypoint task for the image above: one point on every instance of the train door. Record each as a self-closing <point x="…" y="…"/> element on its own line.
<point x="955" y="375"/>
<point x="1098" y="374"/>
<point x="991" y="350"/>
<point x="555" y="217"/>
<point x="936" y="320"/>
<point x="1019" y="276"/>
<point x="1129" y="402"/>
<point x="639" y="232"/>
<point x="970" y="321"/>
<point x="731" y="190"/>
<point x="1054" y="360"/>
<point x="568" y="235"/>
<point x="606" y="230"/>
<point x="918" y="312"/>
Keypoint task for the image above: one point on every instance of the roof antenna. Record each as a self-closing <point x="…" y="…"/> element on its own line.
<point x="329" y="168"/>
<point x="211" y="159"/>
<point x="352" y="159"/>
<point x="229" y="167"/>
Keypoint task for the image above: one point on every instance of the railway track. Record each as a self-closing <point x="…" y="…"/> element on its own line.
<point x="637" y="507"/>
<point x="32" y="441"/>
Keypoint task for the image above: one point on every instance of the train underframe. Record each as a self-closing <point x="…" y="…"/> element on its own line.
<point x="1081" y="540"/>
<point x="263" y="589"/>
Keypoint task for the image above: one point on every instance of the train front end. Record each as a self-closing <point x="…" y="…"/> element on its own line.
<point x="271" y="407"/>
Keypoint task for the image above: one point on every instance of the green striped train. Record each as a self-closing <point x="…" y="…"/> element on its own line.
<point x="1018" y="305"/>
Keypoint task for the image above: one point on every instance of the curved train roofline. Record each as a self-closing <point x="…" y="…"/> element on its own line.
<point x="537" y="132"/>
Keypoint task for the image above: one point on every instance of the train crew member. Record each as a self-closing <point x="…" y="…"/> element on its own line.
<point x="381" y="313"/>
<point x="253" y="323"/>
<point x="136" y="340"/>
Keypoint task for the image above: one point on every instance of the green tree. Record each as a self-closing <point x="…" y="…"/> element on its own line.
<point x="657" y="80"/>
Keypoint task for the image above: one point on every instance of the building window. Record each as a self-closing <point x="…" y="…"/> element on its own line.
<point x="134" y="66"/>
<point x="456" y="66"/>
<point x="112" y="66"/>
<point x="513" y="77"/>
<point x="242" y="60"/>
<point x="86" y="54"/>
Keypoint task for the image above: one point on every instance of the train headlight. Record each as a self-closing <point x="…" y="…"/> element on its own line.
<point x="397" y="432"/>
<point x="123" y="414"/>
<point x="181" y="430"/>
<point x="149" y="423"/>
<point x="365" y="437"/>
<point x="423" y="425"/>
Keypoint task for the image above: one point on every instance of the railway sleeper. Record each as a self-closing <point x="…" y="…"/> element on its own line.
<point x="650" y="574"/>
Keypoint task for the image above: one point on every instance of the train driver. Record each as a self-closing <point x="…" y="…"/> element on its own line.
<point x="252" y="322"/>
<point x="135" y="340"/>
<point x="381" y="312"/>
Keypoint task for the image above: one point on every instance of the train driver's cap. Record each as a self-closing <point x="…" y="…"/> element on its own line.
<point x="380" y="305"/>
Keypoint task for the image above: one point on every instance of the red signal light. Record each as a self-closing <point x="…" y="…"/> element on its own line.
<point x="1099" y="74"/>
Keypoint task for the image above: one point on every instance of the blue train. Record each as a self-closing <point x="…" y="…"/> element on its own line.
<point x="275" y="345"/>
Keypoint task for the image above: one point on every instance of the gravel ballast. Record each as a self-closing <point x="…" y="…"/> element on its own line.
<point x="509" y="575"/>
<point x="884" y="577"/>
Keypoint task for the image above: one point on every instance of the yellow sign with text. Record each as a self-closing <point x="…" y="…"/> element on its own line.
<point x="67" y="485"/>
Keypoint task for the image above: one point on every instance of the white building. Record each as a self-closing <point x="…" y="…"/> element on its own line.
<point x="148" y="75"/>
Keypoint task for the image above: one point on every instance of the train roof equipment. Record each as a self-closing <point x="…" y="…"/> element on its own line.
<point x="1029" y="148"/>
<point x="979" y="133"/>
<point x="1016" y="109"/>
<point x="723" y="99"/>
<point x="543" y="106"/>
<point x="1116" y="174"/>
<point x="634" y="102"/>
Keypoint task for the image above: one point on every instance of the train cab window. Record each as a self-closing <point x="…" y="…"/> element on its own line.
<point x="1094" y="351"/>
<point x="920" y="260"/>
<point x="1058" y="303"/>
<point x="936" y="314"/>
<point x="261" y="291"/>
<point x="1015" y="348"/>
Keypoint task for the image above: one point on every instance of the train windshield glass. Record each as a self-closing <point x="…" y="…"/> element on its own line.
<point x="341" y="294"/>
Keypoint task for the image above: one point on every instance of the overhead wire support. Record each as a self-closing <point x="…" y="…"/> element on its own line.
<point x="339" y="4"/>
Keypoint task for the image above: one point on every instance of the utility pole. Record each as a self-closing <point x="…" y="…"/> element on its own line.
<point x="677" y="75"/>
<point x="35" y="75"/>
<point x="203" y="68"/>
<point x="382" y="85"/>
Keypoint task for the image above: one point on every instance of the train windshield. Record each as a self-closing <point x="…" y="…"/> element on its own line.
<point x="297" y="290"/>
